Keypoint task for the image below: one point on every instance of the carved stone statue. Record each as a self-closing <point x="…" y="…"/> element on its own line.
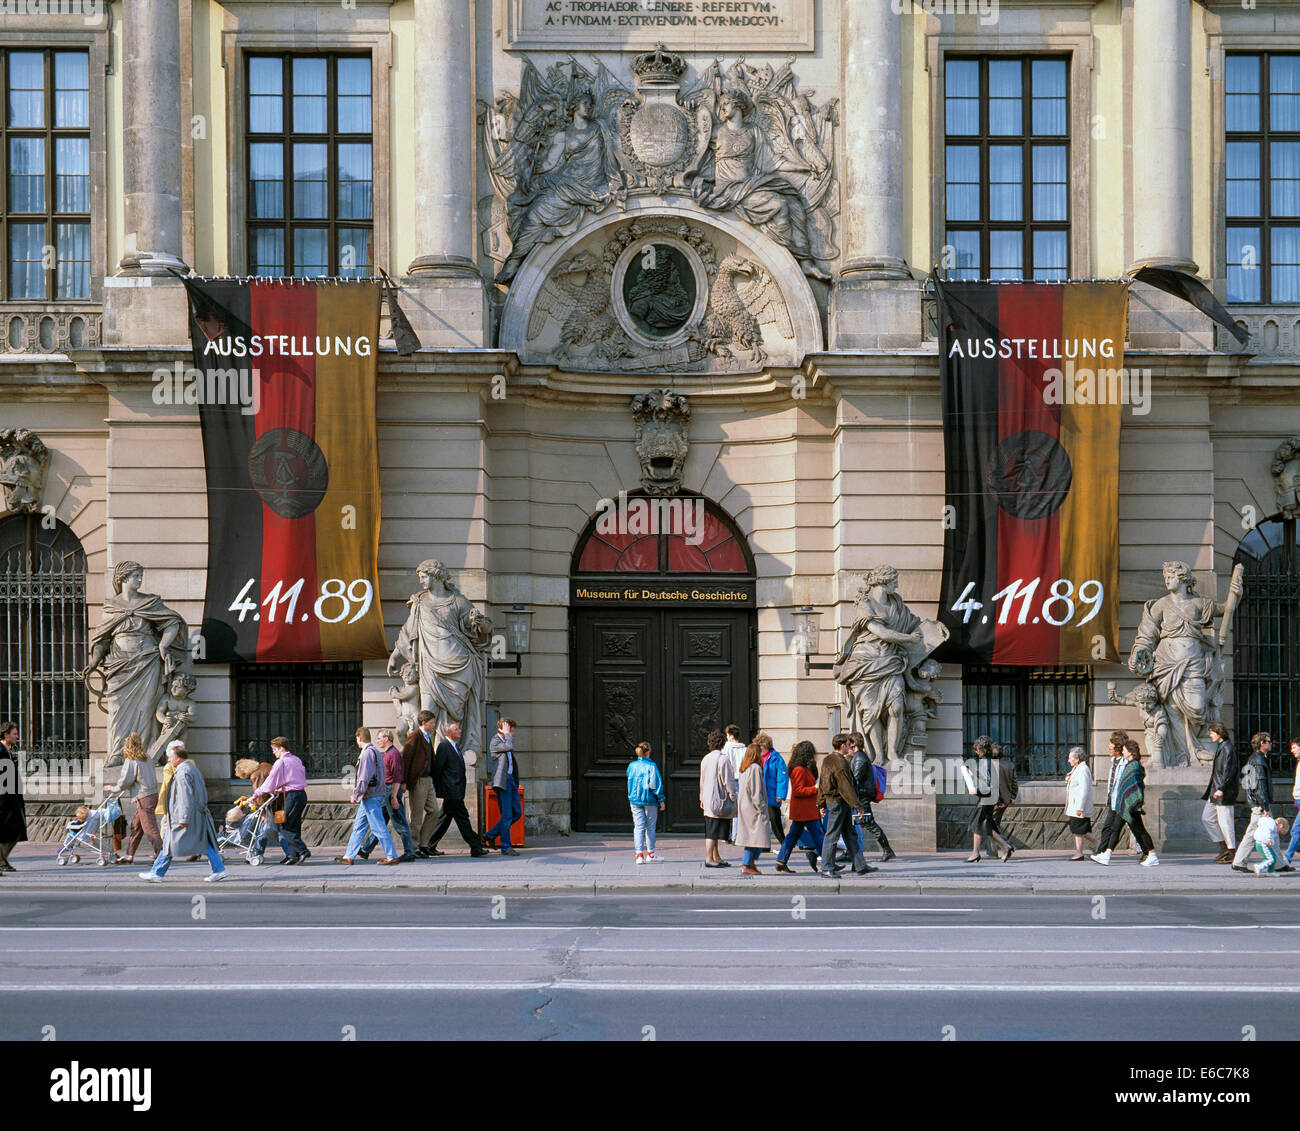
<point x="24" y="460"/>
<point x="552" y="154"/>
<point x="406" y="701"/>
<point x="1286" y="477"/>
<point x="882" y="662"/>
<point x="1155" y="721"/>
<point x="175" y="712"/>
<point x="662" y="418"/>
<point x="139" y="645"/>
<point x="446" y="639"/>
<point x="1177" y="651"/>
<point x="737" y="172"/>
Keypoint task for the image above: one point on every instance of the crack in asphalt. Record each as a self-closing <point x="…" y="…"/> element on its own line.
<point x="565" y="968"/>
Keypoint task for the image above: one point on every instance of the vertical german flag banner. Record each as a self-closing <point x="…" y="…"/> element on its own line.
<point x="284" y="374"/>
<point x="1033" y="384"/>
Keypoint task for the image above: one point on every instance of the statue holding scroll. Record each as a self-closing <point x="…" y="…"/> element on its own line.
<point x="882" y="666"/>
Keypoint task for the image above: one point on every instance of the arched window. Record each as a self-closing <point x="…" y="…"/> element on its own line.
<point x="1266" y="635"/>
<point x="43" y="646"/>
<point x="683" y="534"/>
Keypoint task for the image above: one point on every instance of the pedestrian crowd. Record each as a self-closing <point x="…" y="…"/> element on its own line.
<point x="746" y="792"/>
<point x="742" y="788"/>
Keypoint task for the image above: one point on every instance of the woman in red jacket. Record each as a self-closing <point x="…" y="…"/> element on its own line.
<point x="804" y="813"/>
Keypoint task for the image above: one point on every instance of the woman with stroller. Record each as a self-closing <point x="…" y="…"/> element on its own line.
<point x="804" y="813"/>
<point x="139" y="781"/>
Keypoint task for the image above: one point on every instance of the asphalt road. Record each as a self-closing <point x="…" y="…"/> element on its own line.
<point x="156" y="964"/>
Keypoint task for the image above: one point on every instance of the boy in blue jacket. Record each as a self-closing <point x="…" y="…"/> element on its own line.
<point x="645" y="794"/>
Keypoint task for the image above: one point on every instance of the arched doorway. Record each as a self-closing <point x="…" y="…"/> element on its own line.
<point x="43" y="647"/>
<point x="662" y="648"/>
<point x="1266" y="636"/>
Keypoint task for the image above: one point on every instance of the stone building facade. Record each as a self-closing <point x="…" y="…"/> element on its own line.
<point x="736" y="203"/>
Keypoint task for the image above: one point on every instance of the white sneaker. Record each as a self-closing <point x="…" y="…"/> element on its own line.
<point x="1151" y="861"/>
<point x="654" y="857"/>
<point x="640" y="859"/>
<point x="1101" y="857"/>
<point x="149" y="877"/>
<point x="214" y="877"/>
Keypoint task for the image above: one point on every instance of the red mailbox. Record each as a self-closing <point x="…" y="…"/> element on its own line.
<point x="492" y="814"/>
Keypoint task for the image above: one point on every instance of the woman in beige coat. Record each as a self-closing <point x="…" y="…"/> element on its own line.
<point x="139" y="780"/>
<point x="753" y="829"/>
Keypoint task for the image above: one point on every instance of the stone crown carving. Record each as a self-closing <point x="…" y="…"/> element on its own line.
<point x="743" y="140"/>
<point x="24" y="460"/>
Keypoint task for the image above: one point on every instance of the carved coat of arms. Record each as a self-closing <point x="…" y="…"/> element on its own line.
<point x="743" y="140"/>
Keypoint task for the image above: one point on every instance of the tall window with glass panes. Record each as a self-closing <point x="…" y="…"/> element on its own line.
<point x="1262" y="166"/>
<point x="1007" y="168"/>
<point x="310" y="179"/>
<point x="46" y="154"/>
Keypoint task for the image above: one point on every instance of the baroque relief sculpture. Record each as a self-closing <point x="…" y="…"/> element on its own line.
<point x="446" y="639"/>
<point x="24" y="460"/>
<point x="662" y="417"/>
<point x="1178" y="653"/>
<point x="656" y="296"/>
<point x="1286" y="477"/>
<point x="743" y="141"/>
<point x="885" y="670"/>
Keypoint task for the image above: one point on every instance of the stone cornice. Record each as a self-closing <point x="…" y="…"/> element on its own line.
<point x="825" y="377"/>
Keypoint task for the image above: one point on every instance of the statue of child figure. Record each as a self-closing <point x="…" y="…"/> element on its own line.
<point x="406" y="702"/>
<point x="174" y="714"/>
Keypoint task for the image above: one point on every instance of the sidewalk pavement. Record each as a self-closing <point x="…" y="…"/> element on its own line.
<point x="586" y="863"/>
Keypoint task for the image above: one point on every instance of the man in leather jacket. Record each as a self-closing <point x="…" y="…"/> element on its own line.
<point x="1221" y="795"/>
<point x="1259" y="794"/>
<point x="864" y="780"/>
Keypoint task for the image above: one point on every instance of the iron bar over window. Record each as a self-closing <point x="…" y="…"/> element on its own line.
<point x="310" y="172"/>
<point x="43" y="617"/>
<point x="1034" y="714"/>
<point x="45" y="155"/>
<point x="317" y="707"/>
<point x="1266" y="639"/>
<point x="1007" y="167"/>
<point x="1262" y="162"/>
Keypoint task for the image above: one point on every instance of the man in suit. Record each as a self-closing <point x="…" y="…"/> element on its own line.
<point x="449" y="784"/>
<point x="417" y="763"/>
<point x="1008" y="788"/>
<point x="504" y="773"/>
<point x="1221" y="795"/>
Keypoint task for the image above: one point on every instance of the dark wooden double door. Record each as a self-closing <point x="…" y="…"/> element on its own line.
<point x="667" y="677"/>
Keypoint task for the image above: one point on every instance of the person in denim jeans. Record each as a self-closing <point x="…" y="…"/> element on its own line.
<point x="368" y="790"/>
<point x="503" y="773"/>
<point x="394" y="809"/>
<point x="645" y="794"/>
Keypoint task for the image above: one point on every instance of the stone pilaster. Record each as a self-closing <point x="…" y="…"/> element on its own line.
<point x="152" y="137"/>
<point x="875" y="303"/>
<point x="448" y="304"/>
<point x="1162" y="134"/>
<point x="873" y="144"/>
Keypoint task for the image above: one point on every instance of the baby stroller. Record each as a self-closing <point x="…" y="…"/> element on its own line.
<point x="246" y="824"/>
<point x="91" y="832"/>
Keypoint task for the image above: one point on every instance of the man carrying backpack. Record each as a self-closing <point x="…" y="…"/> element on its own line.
<point x="869" y="780"/>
